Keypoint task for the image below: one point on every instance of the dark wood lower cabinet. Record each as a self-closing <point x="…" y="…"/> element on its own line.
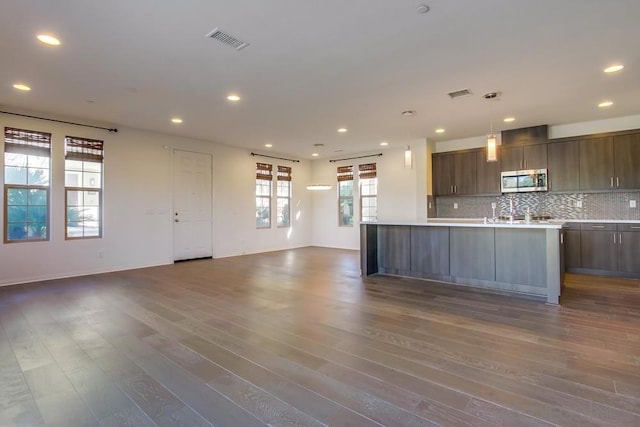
<point x="397" y="239"/>
<point x="629" y="251"/>
<point x="430" y="250"/>
<point x="598" y="249"/>
<point x="603" y="248"/>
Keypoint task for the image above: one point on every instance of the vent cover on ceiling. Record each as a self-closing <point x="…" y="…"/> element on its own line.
<point x="227" y="39"/>
<point x="459" y="93"/>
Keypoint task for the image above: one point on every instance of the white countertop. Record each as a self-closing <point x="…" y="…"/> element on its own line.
<point x="476" y="222"/>
<point x="479" y="222"/>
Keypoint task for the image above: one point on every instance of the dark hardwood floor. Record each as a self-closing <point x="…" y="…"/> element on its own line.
<point x="298" y="338"/>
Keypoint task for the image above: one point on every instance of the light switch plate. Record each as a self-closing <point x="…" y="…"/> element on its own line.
<point x="632" y="203"/>
<point x="455" y="206"/>
<point x="578" y="203"/>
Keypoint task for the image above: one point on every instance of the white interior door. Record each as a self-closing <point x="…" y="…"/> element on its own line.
<point x="192" y="211"/>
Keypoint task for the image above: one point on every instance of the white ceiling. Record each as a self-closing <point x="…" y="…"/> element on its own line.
<point x="315" y="66"/>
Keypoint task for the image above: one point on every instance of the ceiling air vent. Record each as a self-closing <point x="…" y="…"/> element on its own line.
<point x="459" y="93"/>
<point x="227" y="39"/>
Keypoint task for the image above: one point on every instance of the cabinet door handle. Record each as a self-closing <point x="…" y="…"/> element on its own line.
<point x="617" y="181"/>
<point x="620" y="238"/>
<point x="562" y="238"/>
<point x="635" y="227"/>
<point x="597" y="226"/>
<point x="614" y="238"/>
<point x="611" y="181"/>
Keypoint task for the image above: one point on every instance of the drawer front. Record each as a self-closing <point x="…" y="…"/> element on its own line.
<point x="598" y="226"/>
<point x="629" y="227"/>
<point x="571" y="226"/>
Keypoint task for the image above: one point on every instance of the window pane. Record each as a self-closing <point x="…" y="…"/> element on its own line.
<point x="38" y="176"/>
<point x="38" y="162"/>
<point x="37" y="230"/>
<point x="14" y="159"/>
<point x="38" y="197"/>
<point x="37" y="214"/>
<point x="16" y="213"/>
<point x="74" y="198"/>
<point x="74" y="229"/>
<point x="346" y="188"/>
<point x="346" y="212"/>
<point x="92" y="167"/>
<point x="92" y="229"/>
<point x="73" y="178"/>
<point x="283" y="212"/>
<point x="16" y="197"/>
<point x="92" y="198"/>
<point x="15" y="175"/>
<point x="73" y="165"/>
<point x="16" y="231"/>
<point x="90" y="214"/>
<point x="91" y="180"/>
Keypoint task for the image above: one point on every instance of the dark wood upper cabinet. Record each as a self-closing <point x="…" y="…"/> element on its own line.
<point x="564" y="168"/>
<point x="442" y="174"/>
<point x="465" y="173"/>
<point x="597" y="164"/>
<point x="626" y="150"/>
<point x="526" y="136"/>
<point x="523" y="157"/>
<point x="488" y="174"/>
<point x="454" y="173"/>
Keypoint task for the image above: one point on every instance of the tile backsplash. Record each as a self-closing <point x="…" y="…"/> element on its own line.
<point x="609" y="205"/>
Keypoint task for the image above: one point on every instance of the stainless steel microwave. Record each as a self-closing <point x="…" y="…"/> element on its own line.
<point x="523" y="181"/>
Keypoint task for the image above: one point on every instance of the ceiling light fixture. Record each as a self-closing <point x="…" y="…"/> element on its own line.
<point x="342" y="130"/>
<point x="315" y="154"/>
<point x="605" y="104"/>
<point x="176" y="120"/>
<point x="21" y="86"/>
<point x="613" y="68"/>
<point x="268" y="145"/>
<point x="440" y="130"/>
<point x="492" y="140"/>
<point x="233" y="98"/>
<point x="48" y="39"/>
<point x="384" y="143"/>
<point x="318" y="187"/>
<point x="422" y="8"/>
<point x="509" y="119"/>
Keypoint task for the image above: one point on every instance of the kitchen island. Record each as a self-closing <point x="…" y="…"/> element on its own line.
<point x="516" y="257"/>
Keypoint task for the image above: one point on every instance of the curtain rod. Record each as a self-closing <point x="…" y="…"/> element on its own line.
<point x="60" y="121"/>
<point x="278" y="158"/>
<point x="352" y="158"/>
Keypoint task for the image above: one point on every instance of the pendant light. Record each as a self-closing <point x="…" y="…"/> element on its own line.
<point x="492" y="140"/>
<point x="408" y="154"/>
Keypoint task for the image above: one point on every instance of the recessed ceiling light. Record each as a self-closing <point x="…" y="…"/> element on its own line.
<point x="384" y="143"/>
<point x="422" y="9"/>
<point x="21" y="86"/>
<point x="605" y="104"/>
<point x="176" y="120"/>
<point x="48" y="39"/>
<point x="613" y="68"/>
<point x="268" y="145"/>
<point x="342" y="130"/>
<point x="509" y="119"/>
<point x="315" y="154"/>
<point x="233" y="97"/>
<point x="440" y="130"/>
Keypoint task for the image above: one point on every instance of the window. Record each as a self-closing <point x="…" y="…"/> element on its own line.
<point x="264" y="177"/>
<point x="345" y="196"/>
<point x="367" y="177"/>
<point x="83" y="187"/>
<point x="283" y="203"/>
<point x="27" y="158"/>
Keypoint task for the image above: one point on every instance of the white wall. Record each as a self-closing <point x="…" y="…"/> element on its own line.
<point x="401" y="195"/>
<point x="138" y="224"/>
